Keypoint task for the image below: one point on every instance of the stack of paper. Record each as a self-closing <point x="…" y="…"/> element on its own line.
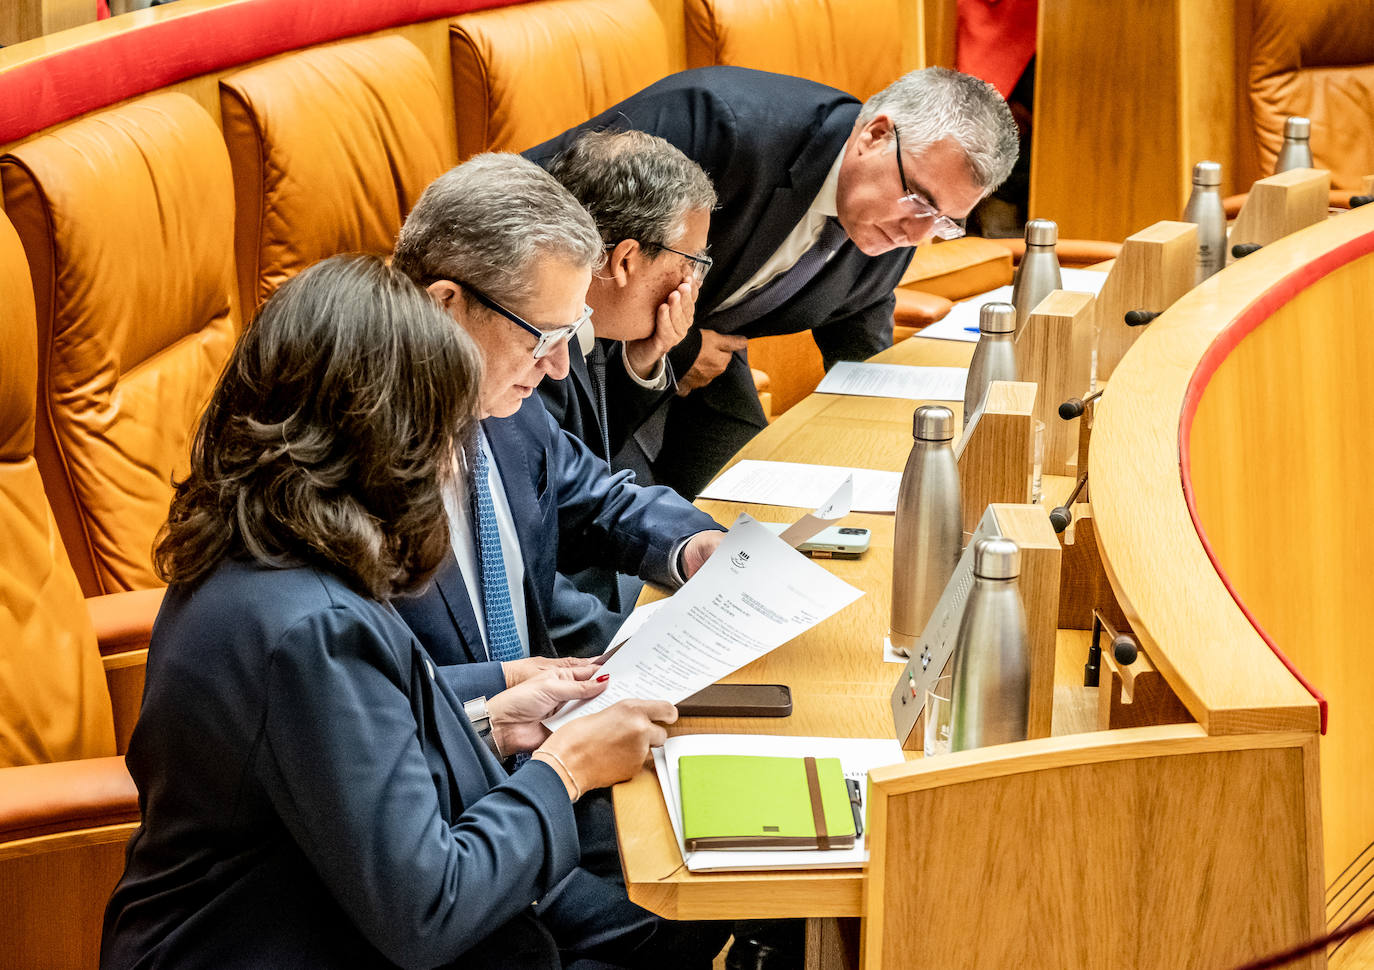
<point x="858" y="756"/>
<point x="895" y="380"/>
<point x="961" y="323"/>
<point x="804" y="486"/>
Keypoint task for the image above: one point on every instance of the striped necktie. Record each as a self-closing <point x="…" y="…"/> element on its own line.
<point x="503" y="640"/>
<point x="785" y="285"/>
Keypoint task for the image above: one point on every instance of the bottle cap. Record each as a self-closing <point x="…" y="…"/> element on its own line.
<point x="1042" y="232"/>
<point x="933" y="422"/>
<point x="1297" y="127"/>
<point x="1207" y="174"/>
<point x="997" y="318"/>
<point x="996" y="559"/>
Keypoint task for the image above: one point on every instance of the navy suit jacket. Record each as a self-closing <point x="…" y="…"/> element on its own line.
<point x="767" y="141"/>
<point x="570" y="512"/>
<point x="313" y="795"/>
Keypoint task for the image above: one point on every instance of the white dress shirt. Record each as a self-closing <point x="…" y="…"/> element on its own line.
<point x="657" y="381"/>
<point x="456" y="503"/>
<point x="802" y="237"/>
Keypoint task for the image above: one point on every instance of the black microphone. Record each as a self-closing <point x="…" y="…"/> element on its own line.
<point x="1075" y="406"/>
<point x="1358" y="200"/>
<point x="1241" y="250"/>
<point x="1062" y="515"/>
<point x="1138" y="318"/>
<point x="1124" y="650"/>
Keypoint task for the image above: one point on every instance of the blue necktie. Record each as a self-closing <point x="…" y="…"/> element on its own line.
<point x="503" y="640"/>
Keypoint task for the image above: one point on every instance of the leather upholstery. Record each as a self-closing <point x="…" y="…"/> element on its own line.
<point x="523" y="74"/>
<point x="330" y="148"/>
<point x="53" y="702"/>
<point x="42" y="799"/>
<point x="845" y="44"/>
<point x="126" y="218"/>
<point x="960" y="268"/>
<point x="1315" y="60"/>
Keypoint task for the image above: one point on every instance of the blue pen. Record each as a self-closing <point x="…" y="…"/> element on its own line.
<point x="970" y="330"/>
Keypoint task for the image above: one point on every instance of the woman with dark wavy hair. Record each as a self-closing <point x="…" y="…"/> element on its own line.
<point x="312" y="793"/>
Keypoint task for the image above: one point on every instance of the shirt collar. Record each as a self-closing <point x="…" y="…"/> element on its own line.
<point x="824" y="204"/>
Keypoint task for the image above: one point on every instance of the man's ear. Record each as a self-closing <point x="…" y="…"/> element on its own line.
<point x="623" y="261"/>
<point x="449" y="296"/>
<point x="875" y="133"/>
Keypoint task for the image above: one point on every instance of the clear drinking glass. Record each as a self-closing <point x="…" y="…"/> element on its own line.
<point x="939" y="716"/>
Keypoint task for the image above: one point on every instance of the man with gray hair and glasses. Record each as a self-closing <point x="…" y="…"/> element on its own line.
<point x="652" y="208"/>
<point x="509" y="253"/>
<point x="822" y="200"/>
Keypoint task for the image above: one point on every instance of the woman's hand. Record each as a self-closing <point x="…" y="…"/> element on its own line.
<point x="608" y="746"/>
<point x="519" y="671"/>
<point x="516" y="712"/>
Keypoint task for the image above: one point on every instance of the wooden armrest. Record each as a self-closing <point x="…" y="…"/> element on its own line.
<point x="1071" y="252"/>
<point x="124" y="621"/>
<point x="1234" y="203"/>
<point x="42" y="799"/>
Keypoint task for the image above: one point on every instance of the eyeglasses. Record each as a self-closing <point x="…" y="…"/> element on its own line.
<point x="701" y="265"/>
<point x="546" y="340"/>
<point x="919" y="206"/>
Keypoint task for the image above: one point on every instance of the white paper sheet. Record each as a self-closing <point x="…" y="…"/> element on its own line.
<point x="753" y="595"/>
<point x="804" y="486"/>
<point x="829" y="512"/>
<point x="961" y="323"/>
<point x="858" y="756"/>
<point x="895" y="380"/>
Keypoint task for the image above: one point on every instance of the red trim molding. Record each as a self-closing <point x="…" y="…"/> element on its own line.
<point x="1264" y="306"/>
<point x="58" y="87"/>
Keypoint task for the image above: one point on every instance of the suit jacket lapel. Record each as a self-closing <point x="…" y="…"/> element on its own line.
<point x="449" y="581"/>
<point x="791" y="198"/>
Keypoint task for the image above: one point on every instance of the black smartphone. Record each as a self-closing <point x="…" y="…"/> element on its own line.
<point x="738" y="700"/>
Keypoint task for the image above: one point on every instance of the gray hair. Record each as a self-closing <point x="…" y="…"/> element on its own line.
<point x="635" y="185"/>
<point x="936" y="103"/>
<point x="488" y="220"/>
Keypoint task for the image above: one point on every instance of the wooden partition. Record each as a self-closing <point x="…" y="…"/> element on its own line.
<point x="1245" y="576"/>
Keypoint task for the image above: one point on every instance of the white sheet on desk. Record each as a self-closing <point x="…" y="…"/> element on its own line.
<point x="803" y="486"/>
<point x="895" y="380"/>
<point x="955" y="323"/>
<point x="858" y="756"/>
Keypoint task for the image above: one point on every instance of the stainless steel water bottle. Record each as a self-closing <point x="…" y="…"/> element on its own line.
<point x="1297" y="150"/>
<point x="1205" y="211"/>
<point x="1038" y="275"/>
<point x="994" y="359"/>
<point x="929" y="531"/>
<point x="991" y="687"/>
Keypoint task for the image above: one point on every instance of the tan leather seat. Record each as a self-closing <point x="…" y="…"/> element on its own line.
<point x="126" y="217"/>
<point x="330" y="149"/>
<point x="1314" y="60"/>
<point x="523" y="74"/>
<point x="67" y="804"/>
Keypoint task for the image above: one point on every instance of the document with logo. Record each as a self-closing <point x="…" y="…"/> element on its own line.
<point x="753" y="595"/>
<point x="895" y="380"/>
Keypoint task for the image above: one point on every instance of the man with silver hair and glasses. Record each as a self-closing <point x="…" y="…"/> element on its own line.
<point x="652" y="208"/>
<point x="509" y="254"/>
<point x="821" y="202"/>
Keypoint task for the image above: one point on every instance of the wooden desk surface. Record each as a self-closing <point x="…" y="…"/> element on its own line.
<point x="840" y="682"/>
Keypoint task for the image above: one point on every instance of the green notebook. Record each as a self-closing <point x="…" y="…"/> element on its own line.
<point x="755" y="802"/>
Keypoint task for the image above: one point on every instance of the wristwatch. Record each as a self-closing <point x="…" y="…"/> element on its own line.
<point x="476" y="710"/>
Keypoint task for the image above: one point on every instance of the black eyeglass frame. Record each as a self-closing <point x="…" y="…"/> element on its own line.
<point x="944" y="227"/>
<point x="546" y="340"/>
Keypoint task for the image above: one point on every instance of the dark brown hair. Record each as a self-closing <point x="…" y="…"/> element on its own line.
<point x="331" y="435"/>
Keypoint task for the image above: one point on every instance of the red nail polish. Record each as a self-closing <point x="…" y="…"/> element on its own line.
<point x="603" y="678"/>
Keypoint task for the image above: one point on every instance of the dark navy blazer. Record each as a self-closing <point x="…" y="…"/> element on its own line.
<point x="313" y="795"/>
<point x="570" y="512"/>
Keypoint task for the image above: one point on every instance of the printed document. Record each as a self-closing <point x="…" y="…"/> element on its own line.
<point x="753" y="595"/>
<point x="895" y="380"/>
<point x="858" y="756"/>
<point x="961" y="323"/>
<point x="804" y="486"/>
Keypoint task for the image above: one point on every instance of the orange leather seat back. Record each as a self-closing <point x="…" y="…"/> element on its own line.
<point x="330" y="148"/>
<point x="127" y="220"/>
<point x="53" y="701"/>
<point x="1315" y="60"/>
<point x="853" y="45"/>
<point x="523" y="74"/>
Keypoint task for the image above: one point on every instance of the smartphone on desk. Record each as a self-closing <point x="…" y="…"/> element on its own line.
<point x="836" y="542"/>
<point x="738" y="700"/>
